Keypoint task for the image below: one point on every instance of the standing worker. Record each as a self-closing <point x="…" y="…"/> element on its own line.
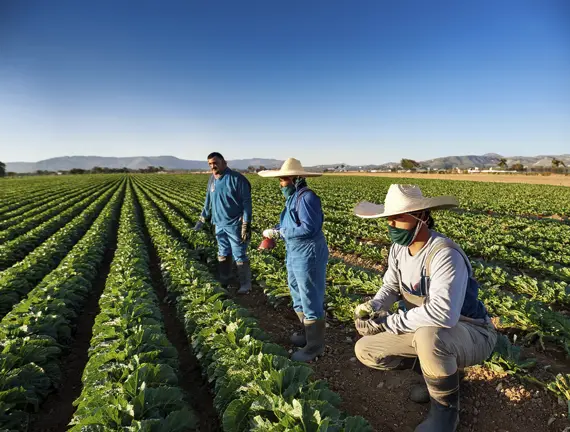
<point x="228" y="205"/>
<point x="443" y="325"/>
<point x="301" y="226"/>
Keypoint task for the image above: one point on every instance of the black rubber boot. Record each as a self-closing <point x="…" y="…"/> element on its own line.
<point x="225" y="270"/>
<point x="315" y="332"/>
<point x="299" y="339"/>
<point x="443" y="415"/>
<point x="244" y="273"/>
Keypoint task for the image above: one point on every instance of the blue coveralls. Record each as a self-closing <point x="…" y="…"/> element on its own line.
<point x="228" y="203"/>
<point x="307" y="252"/>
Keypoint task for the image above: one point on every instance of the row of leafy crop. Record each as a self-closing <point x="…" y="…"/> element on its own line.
<point x="26" y="222"/>
<point x="15" y="250"/>
<point x="256" y="386"/>
<point x="18" y="280"/>
<point x="33" y="193"/>
<point x="131" y="379"/>
<point x="346" y="285"/>
<point x="35" y="334"/>
<point x="41" y="204"/>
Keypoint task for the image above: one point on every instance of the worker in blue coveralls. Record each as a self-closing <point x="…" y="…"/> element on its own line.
<point x="301" y="226"/>
<point x="228" y="206"/>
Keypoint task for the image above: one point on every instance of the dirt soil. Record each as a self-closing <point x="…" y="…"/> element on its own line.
<point x="56" y="412"/>
<point x="555" y="179"/>
<point x="190" y="375"/>
<point x="489" y="401"/>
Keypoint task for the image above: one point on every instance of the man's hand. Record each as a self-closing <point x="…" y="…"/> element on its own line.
<point x="245" y="232"/>
<point x="372" y="326"/>
<point x="199" y="224"/>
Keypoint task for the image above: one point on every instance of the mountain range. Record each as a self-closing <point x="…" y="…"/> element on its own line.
<point x="66" y="163"/>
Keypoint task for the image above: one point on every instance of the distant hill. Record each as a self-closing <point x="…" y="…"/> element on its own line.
<point x="66" y="163"/>
<point x="173" y="163"/>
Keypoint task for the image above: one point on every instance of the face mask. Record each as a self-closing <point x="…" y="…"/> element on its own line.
<point x="288" y="190"/>
<point x="401" y="236"/>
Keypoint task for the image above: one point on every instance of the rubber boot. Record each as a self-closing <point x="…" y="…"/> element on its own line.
<point x="225" y="270"/>
<point x="315" y="333"/>
<point x="443" y="415"/>
<point x="299" y="339"/>
<point x="244" y="274"/>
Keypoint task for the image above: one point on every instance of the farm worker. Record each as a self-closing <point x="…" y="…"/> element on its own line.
<point x="443" y="325"/>
<point x="228" y="205"/>
<point x="301" y="226"/>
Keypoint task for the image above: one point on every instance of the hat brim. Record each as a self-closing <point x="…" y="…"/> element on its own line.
<point x="279" y="173"/>
<point x="368" y="210"/>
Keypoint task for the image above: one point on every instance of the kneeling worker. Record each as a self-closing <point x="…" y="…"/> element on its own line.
<point x="443" y="324"/>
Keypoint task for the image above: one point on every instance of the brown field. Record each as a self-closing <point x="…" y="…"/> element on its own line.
<point x="555" y="179"/>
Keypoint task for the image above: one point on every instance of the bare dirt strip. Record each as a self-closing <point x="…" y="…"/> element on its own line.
<point x="554" y="179"/>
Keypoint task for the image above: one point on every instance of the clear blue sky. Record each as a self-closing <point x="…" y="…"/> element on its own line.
<point x="324" y="81"/>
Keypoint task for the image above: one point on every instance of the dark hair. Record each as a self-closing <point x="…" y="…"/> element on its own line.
<point x="215" y="154"/>
<point x="426" y="216"/>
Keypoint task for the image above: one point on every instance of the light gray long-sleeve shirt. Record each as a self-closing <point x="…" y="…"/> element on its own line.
<point x="447" y="287"/>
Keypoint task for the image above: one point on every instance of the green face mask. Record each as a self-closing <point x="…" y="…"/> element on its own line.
<point x="288" y="191"/>
<point x="401" y="236"/>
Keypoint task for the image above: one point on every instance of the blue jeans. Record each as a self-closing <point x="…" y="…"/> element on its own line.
<point x="306" y="276"/>
<point x="229" y="242"/>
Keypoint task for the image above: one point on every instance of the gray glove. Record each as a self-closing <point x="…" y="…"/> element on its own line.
<point x="374" y="325"/>
<point x="199" y="224"/>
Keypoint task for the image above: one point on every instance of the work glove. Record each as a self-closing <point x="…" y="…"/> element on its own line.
<point x="245" y="232"/>
<point x="372" y="326"/>
<point x="364" y="310"/>
<point x="199" y="224"/>
<point x="271" y="233"/>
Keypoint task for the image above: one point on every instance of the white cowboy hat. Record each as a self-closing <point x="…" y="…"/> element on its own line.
<point x="402" y="199"/>
<point x="290" y="168"/>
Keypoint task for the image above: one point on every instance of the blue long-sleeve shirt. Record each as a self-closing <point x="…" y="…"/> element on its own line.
<point x="228" y="199"/>
<point x="308" y="212"/>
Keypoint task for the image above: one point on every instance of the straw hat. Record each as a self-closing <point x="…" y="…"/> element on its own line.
<point x="290" y="168"/>
<point x="402" y="199"/>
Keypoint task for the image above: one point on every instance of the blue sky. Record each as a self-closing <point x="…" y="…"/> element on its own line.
<point x="323" y="81"/>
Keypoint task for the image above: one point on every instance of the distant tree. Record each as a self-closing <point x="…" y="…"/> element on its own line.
<point x="161" y="168"/>
<point x="97" y="170"/>
<point x="262" y="168"/>
<point x="251" y="168"/>
<point x="502" y="163"/>
<point x="517" y="167"/>
<point x="11" y="174"/>
<point x="556" y="163"/>
<point x="2" y="169"/>
<point x="77" y="171"/>
<point x="409" y="164"/>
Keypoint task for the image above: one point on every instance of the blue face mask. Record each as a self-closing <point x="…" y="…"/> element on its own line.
<point x="288" y="190"/>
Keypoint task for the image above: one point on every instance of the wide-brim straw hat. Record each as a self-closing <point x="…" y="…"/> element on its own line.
<point x="402" y="199"/>
<point x="290" y="168"/>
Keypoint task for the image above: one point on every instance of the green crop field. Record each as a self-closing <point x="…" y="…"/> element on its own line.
<point x="112" y="319"/>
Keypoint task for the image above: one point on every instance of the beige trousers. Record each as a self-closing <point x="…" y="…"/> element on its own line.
<point x="441" y="351"/>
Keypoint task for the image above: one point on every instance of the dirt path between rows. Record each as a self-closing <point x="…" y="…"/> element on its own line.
<point x="490" y="401"/>
<point x="190" y="375"/>
<point x="56" y="412"/>
<point x="554" y="179"/>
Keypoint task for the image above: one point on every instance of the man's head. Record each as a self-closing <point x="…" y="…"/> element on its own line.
<point x="217" y="163"/>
